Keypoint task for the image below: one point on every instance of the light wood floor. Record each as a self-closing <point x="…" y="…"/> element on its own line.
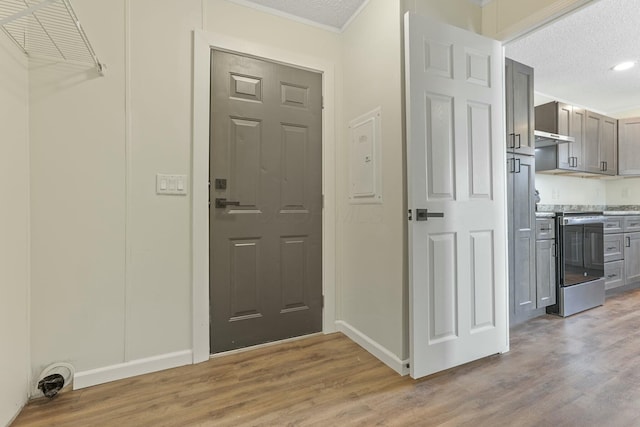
<point x="580" y="371"/>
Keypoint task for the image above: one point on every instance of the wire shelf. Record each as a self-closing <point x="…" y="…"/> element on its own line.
<point x="48" y="29"/>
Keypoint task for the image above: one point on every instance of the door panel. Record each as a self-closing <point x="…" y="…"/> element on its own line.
<point x="455" y="161"/>
<point x="591" y="146"/>
<point x="440" y="147"/>
<point x="523" y="114"/>
<point x="578" y="129"/>
<point x="266" y="202"/>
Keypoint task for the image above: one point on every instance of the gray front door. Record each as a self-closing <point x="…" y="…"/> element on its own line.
<point x="266" y="202"/>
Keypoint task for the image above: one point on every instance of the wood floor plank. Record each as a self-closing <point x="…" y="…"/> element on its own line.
<point x="579" y="371"/>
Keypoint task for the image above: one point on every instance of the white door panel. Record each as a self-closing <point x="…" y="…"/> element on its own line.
<point x="456" y="166"/>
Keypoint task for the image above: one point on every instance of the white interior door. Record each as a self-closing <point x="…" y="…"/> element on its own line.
<point x="456" y="167"/>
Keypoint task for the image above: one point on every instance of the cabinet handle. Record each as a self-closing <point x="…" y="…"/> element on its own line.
<point x="611" y="248"/>
<point x="603" y="166"/>
<point x="574" y="162"/>
<point x="519" y="167"/>
<point x="628" y="245"/>
<point x="519" y="141"/>
<point x="513" y="140"/>
<point x="611" y="276"/>
<point x="554" y="252"/>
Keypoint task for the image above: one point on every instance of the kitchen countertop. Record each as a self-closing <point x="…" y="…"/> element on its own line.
<point x="606" y="209"/>
<point x="545" y="214"/>
<point x="619" y="213"/>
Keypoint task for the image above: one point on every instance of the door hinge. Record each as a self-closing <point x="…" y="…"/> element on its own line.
<point x="410" y="215"/>
<point x="322" y="102"/>
<point x="323" y="201"/>
<point x="322" y="302"/>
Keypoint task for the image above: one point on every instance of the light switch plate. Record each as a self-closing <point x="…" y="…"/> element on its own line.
<point x="171" y="184"/>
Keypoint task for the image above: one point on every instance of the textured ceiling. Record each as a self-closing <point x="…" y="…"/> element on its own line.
<point x="573" y="56"/>
<point x="331" y="13"/>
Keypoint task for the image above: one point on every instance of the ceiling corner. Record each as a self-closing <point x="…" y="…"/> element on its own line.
<point x="481" y="3"/>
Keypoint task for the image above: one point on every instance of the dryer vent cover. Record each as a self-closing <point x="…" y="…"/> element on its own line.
<point x="54" y="378"/>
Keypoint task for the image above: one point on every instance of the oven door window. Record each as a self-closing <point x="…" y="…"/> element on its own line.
<point x="583" y="253"/>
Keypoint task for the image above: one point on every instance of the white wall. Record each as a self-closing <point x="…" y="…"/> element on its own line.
<point x="372" y="247"/>
<point x="623" y="191"/>
<point x="14" y="230"/>
<point x="114" y="256"/>
<point x="78" y="201"/>
<point x="566" y="190"/>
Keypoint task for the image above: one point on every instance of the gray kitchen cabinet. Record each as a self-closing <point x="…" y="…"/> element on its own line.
<point x="614" y="274"/>
<point x="629" y="146"/>
<point x="609" y="145"/>
<point x="621" y="250"/>
<point x="562" y="119"/>
<point x="519" y="108"/>
<point x="632" y="257"/>
<point x="614" y="224"/>
<point x="631" y="223"/>
<point x="522" y="234"/>
<point x="545" y="263"/>
<point x="613" y="247"/>
<point x="600" y="144"/>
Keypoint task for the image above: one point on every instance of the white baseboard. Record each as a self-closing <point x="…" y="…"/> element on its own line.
<point x="384" y="355"/>
<point x="131" y="369"/>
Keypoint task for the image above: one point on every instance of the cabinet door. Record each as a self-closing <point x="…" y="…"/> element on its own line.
<point x="614" y="224"/>
<point x="609" y="146"/>
<point x="545" y="229"/>
<point x="631" y="223"/>
<point x="523" y="112"/>
<point x="523" y="229"/>
<point x="614" y="274"/>
<point x="632" y="257"/>
<point x="629" y="146"/>
<point x="508" y="105"/>
<point x="545" y="273"/>
<point x="565" y="112"/>
<point x="577" y="130"/>
<point x="613" y="247"/>
<point x="593" y="131"/>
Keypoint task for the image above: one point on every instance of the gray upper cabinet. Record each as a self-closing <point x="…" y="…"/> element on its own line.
<point x="520" y="112"/>
<point x="591" y="142"/>
<point x="562" y="119"/>
<point x="629" y="146"/>
<point x="577" y="130"/>
<point x="601" y="144"/>
<point x="609" y="146"/>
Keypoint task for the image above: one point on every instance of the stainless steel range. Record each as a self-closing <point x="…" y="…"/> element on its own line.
<point x="580" y="268"/>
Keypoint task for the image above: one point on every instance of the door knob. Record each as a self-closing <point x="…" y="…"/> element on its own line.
<point x="424" y="215"/>
<point x="223" y="203"/>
